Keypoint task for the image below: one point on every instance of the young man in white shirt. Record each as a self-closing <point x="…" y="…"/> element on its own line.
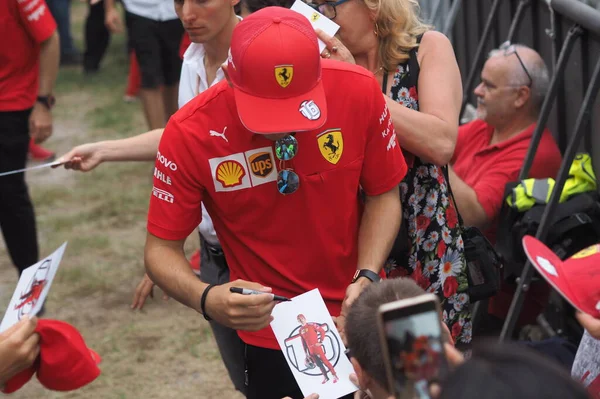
<point x="155" y="34"/>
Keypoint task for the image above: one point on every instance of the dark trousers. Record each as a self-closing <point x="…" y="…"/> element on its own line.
<point x="61" y="11"/>
<point x="17" y="218"/>
<point x="214" y="270"/>
<point x="97" y="38"/>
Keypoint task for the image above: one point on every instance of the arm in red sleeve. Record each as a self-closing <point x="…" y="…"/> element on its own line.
<point x="36" y="18"/>
<point x="175" y="209"/>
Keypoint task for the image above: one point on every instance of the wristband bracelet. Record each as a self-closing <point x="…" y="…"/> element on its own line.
<point x="203" y="301"/>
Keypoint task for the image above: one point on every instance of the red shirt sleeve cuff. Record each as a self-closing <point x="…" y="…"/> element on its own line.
<point x="166" y="234"/>
<point x="389" y="184"/>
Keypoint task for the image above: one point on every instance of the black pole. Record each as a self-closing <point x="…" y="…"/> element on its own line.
<point x="452" y="14"/>
<point x="582" y="120"/>
<point x="574" y="32"/>
<point x="517" y="19"/>
<point x="479" y="53"/>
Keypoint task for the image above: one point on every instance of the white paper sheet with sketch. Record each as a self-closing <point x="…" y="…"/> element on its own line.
<point x="312" y="346"/>
<point x="316" y="19"/>
<point x="32" y="289"/>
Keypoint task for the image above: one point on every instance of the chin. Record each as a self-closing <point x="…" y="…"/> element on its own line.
<point x="481" y="114"/>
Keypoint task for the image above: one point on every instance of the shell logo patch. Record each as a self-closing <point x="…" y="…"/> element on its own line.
<point x="243" y="170"/>
<point x="230" y="173"/>
<point x="284" y="75"/>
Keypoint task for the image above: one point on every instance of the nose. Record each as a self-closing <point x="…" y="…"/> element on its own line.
<point x="187" y="12"/>
<point x="479" y="90"/>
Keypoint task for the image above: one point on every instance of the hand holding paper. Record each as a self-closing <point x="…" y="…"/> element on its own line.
<point x="32" y="289"/>
<point x="312" y="346"/>
<point x="317" y="20"/>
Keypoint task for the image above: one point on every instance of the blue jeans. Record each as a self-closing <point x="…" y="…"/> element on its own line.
<point x="61" y="11"/>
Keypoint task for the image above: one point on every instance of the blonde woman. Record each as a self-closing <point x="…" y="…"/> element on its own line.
<point x="420" y="80"/>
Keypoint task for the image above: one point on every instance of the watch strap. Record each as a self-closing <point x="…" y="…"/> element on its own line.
<point x="371" y="275"/>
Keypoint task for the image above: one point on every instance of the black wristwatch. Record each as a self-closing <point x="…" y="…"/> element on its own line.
<point x="371" y="275"/>
<point x="48" y="101"/>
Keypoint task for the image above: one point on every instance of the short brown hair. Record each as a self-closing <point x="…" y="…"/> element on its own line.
<point x="361" y="323"/>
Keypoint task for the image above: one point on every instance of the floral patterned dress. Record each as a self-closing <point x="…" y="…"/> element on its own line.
<point x="429" y="247"/>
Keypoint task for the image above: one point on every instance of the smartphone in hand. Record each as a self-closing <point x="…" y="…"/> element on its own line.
<point x="413" y="346"/>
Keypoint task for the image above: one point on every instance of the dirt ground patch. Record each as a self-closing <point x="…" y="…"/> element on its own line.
<point x="164" y="351"/>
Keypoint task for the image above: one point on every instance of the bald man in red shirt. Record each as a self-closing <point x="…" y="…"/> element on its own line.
<point x="491" y="150"/>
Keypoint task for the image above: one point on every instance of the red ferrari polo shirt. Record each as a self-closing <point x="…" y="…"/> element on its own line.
<point x="291" y="243"/>
<point x="24" y="25"/>
<point x="488" y="168"/>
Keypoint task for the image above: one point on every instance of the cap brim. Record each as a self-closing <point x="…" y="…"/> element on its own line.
<point x="95" y="356"/>
<point x="549" y="265"/>
<point x="275" y="115"/>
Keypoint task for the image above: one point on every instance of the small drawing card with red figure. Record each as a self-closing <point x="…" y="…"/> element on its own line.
<point x="32" y="289"/>
<point x="312" y="346"/>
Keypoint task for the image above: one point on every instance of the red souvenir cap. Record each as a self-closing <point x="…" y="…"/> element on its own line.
<point x="577" y="279"/>
<point x="275" y="68"/>
<point x="65" y="362"/>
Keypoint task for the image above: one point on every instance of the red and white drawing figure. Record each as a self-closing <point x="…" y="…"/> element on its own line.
<point x="31" y="294"/>
<point x="313" y="345"/>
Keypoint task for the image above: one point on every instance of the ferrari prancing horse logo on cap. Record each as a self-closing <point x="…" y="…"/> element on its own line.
<point x="284" y="75"/>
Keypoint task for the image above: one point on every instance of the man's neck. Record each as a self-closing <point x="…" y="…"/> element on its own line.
<point x="510" y="129"/>
<point x="217" y="49"/>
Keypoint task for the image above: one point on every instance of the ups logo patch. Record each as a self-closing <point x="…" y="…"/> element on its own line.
<point x="261" y="164"/>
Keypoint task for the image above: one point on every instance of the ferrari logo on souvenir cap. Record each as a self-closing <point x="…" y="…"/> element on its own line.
<point x="589" y="251"/>
<point x="331" y="145"/>
<point x="284" y="75"/>
<point x="314" y="16"/>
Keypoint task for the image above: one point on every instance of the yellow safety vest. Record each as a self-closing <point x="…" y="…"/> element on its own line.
<point x="530" y="192"/>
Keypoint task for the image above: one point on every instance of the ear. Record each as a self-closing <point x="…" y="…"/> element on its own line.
<point x="226" y="73"/>
<point x="234" y="2"/>
<point x="523" y="96"/>
<point x="364" y="381"/>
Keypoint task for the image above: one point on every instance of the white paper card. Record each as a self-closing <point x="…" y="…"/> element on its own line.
<point x="316" y="19"/>
<point x="32" y="289"/>
<point x="312" y="346"/>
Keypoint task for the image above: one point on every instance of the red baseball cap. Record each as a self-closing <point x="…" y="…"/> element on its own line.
<point x="577" y="279"/>
<point x="275" y="68"/>
<point x="65" y="362"/>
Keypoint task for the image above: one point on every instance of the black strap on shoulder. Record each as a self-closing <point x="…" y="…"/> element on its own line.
<point x="384" y="84"/>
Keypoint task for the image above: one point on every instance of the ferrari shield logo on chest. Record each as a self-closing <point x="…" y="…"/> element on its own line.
<point x="331" y="145"/>
<point x="284" y="75"/>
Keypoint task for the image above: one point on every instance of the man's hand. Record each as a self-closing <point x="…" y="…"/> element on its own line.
<point x="84" y="157"/>
<point x="112" y="20"/>
<point x="352" y="292"/>
<point x="19" y="347"/>
<point x="144" y="290"/>
<point x="591" y="324"/>
<point x="237" y="311"/>
<point x="40" y="123"/>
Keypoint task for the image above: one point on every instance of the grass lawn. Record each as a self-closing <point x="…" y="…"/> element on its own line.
<point x="164" y="351"/>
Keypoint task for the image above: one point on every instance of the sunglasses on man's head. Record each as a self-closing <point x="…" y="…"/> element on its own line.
<point x="286" y="148"/>
<point x="510" y="49"/>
